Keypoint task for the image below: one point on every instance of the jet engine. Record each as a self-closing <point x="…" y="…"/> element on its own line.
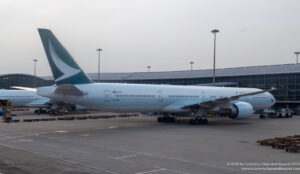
<point x="240" y="111"/>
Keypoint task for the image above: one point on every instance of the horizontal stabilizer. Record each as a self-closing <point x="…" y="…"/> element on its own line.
<point x="69" y="90"/>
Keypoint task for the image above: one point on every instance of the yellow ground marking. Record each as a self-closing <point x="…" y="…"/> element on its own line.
<point x="85" y="135"/>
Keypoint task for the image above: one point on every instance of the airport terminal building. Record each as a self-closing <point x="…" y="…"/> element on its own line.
<point x="26" y="80"/>
<point x="285" y="78"/>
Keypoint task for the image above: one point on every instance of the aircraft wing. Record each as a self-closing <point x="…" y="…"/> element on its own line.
<point x="23" y="88"/>
<point x="223" y="102"/>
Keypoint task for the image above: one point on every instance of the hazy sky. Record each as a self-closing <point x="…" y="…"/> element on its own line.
<point x="165" y="34"/>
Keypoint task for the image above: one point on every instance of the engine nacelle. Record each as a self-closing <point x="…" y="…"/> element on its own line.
<point x="241" y="110"/>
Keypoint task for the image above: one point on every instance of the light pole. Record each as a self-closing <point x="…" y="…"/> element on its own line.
<point x="191" y="65"/>
<point x="99" y="50"/>
<point x="149" y="67"/>
<point x="297" y="56"/>
<point x="214" y="31"/>
<point x="34" y="82"/>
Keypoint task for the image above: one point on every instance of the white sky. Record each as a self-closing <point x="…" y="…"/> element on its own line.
<point x="165" y="34"/>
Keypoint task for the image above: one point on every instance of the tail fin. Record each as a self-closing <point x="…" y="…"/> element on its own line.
<point x="64" y="68"/>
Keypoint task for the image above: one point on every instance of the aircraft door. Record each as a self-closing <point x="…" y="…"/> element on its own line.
<point x="160" y="98"/>
<point x="107" y="95"/>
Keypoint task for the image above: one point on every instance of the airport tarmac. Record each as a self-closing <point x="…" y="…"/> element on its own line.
<point x="140" y="145"/>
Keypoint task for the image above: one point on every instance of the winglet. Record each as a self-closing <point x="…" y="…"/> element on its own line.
<point x="64" y="68"/>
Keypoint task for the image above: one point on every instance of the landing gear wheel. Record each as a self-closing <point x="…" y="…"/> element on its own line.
<point x="172" y="119"/>
<point x="192" y="122"/>
<point x="166" y="119"/>
<point x="159" y="119"/>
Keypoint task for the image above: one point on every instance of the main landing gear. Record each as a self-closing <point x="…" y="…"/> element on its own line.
<point x="198" y="121"/>
<point x="166" y="119"/>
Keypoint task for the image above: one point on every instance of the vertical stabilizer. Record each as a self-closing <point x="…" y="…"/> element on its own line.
<point x="64" y="68"/>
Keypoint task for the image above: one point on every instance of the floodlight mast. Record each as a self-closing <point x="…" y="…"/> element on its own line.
<point x="297" y="60"/>
<point x="34" y="72"/>
<point x="99" y="50"/>
<point x="214" y="31"/>
<point x="191" y="65"/>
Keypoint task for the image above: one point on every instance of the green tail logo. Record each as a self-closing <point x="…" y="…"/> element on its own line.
<point x="64" y="68"/>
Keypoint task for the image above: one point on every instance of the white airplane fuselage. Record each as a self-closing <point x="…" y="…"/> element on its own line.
<point x="20" y="98"/>
<point x="118" y="97"/>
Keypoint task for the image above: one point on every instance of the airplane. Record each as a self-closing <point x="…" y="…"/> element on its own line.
<point x="26" y="97"/>
<point x="74" y="86"/>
